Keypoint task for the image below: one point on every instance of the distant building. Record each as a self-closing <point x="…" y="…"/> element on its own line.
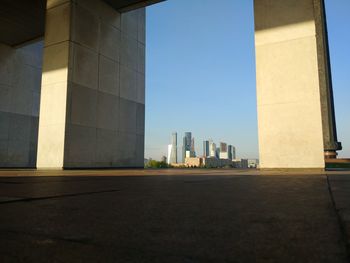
<point x="217" y="153"/>
<point x="229" y="152"/>
<point x="223" y="154"/>
<point x="240" y="163"/>
<point x="211" y="162"/>
<point x="212" y="148"/>
<point x="186" y="146"/>
<point x="236" y="163"/>
<point x="233" y="152"/>
<point x="194" y="162"/>
<point x="206" y="151"/>
<point x="223" y="147"/>
<point x="244" y="163"/>
<point x="193" y="151"/>
<point x="253" y="163"/>
<point x="170" y="152"/>
<point x="173" y="156"/>
<point x="225" y="163"/>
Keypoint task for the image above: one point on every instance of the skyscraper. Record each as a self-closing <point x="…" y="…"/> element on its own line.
<point x="170" y="151"/>
<point x="206" y="152"/>
<point x="230" y="152"/>
<point x="233" y="152"/>
<point x="173" y="158"/>
<point x="186" y="146"/>
<point x="193" y="150"/>
<point x="223" y="151"/>
<point x="223" y="147"/>
<point x="217" y="152"/>
<point x="212" y="147"/>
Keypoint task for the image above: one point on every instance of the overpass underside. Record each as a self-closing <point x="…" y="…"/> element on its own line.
<point x="72" y="84"/>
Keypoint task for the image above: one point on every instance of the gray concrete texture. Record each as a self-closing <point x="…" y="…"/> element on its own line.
<point x="292" y="83"/>
<point x="174" y="216"/>
<point x="105" y="100"/>
<point x="24" y="20"/>
<point x="103" y="97"/>
<point x="20" y="77"/>
<point x="94" y="61"/>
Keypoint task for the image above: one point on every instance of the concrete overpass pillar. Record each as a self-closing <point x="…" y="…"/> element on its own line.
<point x="20" y="76"/>
<point x="294" y="101"/>
<point x="93" y="83"/>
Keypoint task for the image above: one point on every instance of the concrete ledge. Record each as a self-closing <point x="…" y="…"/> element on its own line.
<point x="129" y="5"/>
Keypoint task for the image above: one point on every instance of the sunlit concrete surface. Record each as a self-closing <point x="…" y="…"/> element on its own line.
<point x="92" y="109"/>
<point x="174" y="216"/>
<point x="288" y="85"/>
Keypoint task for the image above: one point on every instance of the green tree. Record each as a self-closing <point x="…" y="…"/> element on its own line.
<point x="157" y="164"/>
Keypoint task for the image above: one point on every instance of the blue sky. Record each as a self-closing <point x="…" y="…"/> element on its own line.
<point x="200" y="73"/>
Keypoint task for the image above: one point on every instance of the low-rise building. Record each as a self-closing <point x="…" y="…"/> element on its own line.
<point x="225" y="163"/>
<point x="240" y="163"/>
<point x="253" y="163"/>
<point x="211" y="162"/>
<point x="194" y="162"/>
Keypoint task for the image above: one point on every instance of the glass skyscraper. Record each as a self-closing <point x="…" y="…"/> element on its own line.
<point x="230" y="156"/>
<point x="212" y="148"/>
<point x="206" y="151"/>
<point x="174" y="148"/>
<point x="186" y="146"/>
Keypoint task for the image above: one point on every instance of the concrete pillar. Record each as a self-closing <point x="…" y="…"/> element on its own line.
<point x="290" y="78"/>
<point x="330" y="140"/>
<point x="92" y="103"/>
<point x="20" y="76"/>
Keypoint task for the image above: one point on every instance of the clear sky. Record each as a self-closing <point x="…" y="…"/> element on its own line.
<point x="200" y="73"/>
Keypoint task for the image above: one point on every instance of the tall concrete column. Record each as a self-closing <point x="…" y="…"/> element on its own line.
<point x="20" y="76"/>
<point x="92" y="98"/>
<point x="293" y="83"/>
<point x="330" y="140"/>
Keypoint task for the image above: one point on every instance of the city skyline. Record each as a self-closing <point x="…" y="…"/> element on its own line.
<point x="188" y="149"/>
<point x="216" y="93"/>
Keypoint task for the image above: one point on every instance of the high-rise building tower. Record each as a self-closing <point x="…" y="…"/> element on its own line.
<point x="172" y="149"/>
<point x="173" y="158"/>
<point x="186" y="146"/>
<point x="233" y="152"/>
<point x="229" y="152"/>
<point x="193" y="149"/>
<point x="212" y="147"/>
<point x="170" y="152"/>
<point x="223" y="151"/>
<point x="217" y="152"/>
<point x="206" y="151"/>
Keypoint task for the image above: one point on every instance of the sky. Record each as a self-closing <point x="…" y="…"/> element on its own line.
<point x="200" y="73"/>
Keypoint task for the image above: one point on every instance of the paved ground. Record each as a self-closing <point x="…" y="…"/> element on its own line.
<point x="174" y="216"/>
